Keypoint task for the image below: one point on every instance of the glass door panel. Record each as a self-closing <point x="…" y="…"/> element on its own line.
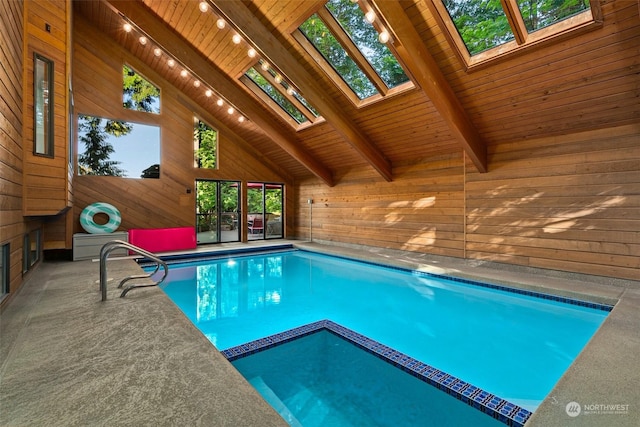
<point x="217" y="206"/>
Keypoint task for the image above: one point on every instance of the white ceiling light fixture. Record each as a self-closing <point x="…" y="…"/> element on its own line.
<point x="157" y="51"/>
<point x="171" y="63"/>
<point x="196" y="83"/>
<point x="236" y="38"/>
<point x="204" y="6"/>
<point x="370" y="16"/>
<point x="384" y="37"/>
<point x="127" y="27"/>
<point x="184" y="73"/>
<point x="221" y="23"/>
<point x="252" y="52"/>
<point x="220" y="102"/>
<point x="231" y="110"/>
<point x="208" y="93"/>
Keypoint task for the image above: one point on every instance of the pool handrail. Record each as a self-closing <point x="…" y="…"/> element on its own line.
<point x="116" y="244"/>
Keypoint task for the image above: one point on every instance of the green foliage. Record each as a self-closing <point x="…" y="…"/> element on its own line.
<point x="207" y="139"/>
<point x="542" y="13"/>
<point x="319" y="35"/>
<point x="274" y="94"/>
<point x="138" y="93"/>
<point x="94" y="136"/>
<point x="365" y="37"/>
<point x="482" y="24"/>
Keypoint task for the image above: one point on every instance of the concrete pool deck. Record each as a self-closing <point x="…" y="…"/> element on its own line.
<point x="69" y="359"/>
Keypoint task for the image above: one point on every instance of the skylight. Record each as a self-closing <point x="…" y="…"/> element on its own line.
<point x="485" y="29"/>
<point x="277" y="93"/>
<point x="346" y="44"/>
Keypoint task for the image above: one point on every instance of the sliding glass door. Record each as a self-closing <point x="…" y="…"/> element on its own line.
<point x="265" y="217"/>
<point x="217" y="210"/>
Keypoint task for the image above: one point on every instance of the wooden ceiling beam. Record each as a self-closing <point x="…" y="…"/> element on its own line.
<point x="275" y="53"/>
<point x="424" y="69"/>
<point x="173" y="43"/>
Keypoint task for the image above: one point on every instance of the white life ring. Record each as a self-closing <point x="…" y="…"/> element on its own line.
<point x="90" y="226"/>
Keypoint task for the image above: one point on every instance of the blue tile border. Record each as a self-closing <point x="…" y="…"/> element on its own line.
<point x="498" y="408"/>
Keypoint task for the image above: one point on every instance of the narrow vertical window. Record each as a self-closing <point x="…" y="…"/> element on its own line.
<point x="42" y="106"/>
<point x="205" y="145"/>
<point x="4" y="270"/>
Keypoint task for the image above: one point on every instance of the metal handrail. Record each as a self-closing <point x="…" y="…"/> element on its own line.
<point x="115" y="244"/>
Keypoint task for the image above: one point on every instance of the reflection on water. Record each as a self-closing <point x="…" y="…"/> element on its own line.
<point x="228" y="288"/>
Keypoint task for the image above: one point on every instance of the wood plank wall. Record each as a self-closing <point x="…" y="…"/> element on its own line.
<point x="421" y="210"/>
<point x="566" y="203"/>
<point x="149" y="203"/>
<point x="46" y="189"/>
<point x="12" y="225"/>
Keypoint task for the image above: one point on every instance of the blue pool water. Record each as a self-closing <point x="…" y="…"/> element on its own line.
<point x="514" y="346"/>
<point x="324" y="380"/>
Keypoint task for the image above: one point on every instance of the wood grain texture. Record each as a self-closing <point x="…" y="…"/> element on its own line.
<point x="164" y="202"/>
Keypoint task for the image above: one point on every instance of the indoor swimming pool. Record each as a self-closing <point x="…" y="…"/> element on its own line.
<point x="514" y="345"/>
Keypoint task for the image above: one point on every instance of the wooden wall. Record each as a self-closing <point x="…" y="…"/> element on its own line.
<point x="12" y="225"/>
<point x="46" y="179"/>
<point x="566" y="203"/>
<point x="148" y="203"/>
<point x="422" y="209"/>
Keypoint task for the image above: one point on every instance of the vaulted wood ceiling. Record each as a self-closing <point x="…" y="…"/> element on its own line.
<point x="585" y="82"/>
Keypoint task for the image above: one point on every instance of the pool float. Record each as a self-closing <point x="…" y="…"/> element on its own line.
<point x="90" y="226"/>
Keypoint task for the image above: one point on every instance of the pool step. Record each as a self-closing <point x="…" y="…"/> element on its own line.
<point x="273" y="400"/>
<point x="308" y="407"/>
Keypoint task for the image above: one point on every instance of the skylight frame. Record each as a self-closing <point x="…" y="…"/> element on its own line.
<point x="309" y="113"/>
<point x="355" y="54"/>
<point x="523" y="40"/>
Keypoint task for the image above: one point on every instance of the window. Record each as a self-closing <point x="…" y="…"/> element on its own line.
<point x="138" y="93"/>
<point x="275" y="92"/>
<point x="217" y="211"/>
<point x="4" y="270"/>
<point x="42" y="106"/>
<point x="31" y="249"/>
<point x="481" y="30"/>
<point x="113" y="147"/>
<point x="351" y="52"/>
<point x="71" y="142"/>
<point x="265" y="204"/>
<point x="205" y="145"/>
